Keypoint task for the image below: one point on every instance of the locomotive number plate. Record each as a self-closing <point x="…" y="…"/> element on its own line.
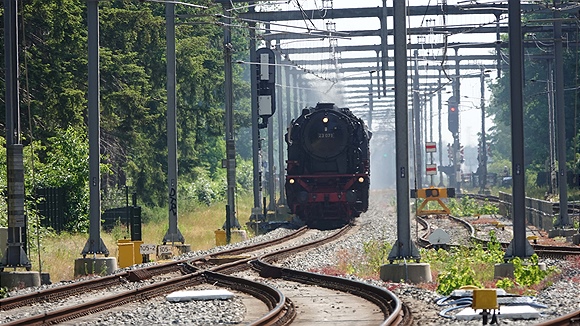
<point x="325" y="135"/>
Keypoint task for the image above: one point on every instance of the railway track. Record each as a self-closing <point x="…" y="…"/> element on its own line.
<point x="467" y="234"/>
<point x="566" y="320"/>
<point x="464" y="228"/>
<point x="119" y="279"/>
<point x="281" y="310"/>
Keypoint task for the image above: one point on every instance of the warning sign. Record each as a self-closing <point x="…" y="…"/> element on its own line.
<point x="430" y="147"/>
<point x="431" y="169"/>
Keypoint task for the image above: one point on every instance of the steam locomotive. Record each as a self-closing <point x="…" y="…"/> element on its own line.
<point x="328" y="166"/>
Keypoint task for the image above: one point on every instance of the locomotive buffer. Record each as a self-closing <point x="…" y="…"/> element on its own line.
<point x="432" y="194"/>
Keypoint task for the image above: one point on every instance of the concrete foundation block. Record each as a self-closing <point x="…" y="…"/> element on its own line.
<point x="503" y="270"/>
<point x="411" y="273"/>
<point x="507" y="269"/>
<point x="562" y="233"/>
<point x="19" y="280"/>
<point x="239" y="235"/>
<point x="100" y="266"/>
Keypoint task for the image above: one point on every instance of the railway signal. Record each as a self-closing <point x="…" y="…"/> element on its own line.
<point x="453" y="115"/>
<point x="266" y="84"/>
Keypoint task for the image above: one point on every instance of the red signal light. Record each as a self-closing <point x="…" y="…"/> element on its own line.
<point x="452" y="109"/>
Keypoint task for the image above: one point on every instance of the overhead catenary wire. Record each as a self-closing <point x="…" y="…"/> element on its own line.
<point x="309" y="30"/>
<point x="178" y="3"/>
<point x="305" y="17"/>
<point x="219" y="23"/>
<point x="238" y="9"/>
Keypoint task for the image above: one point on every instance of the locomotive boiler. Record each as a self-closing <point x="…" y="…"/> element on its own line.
<point x="328" y="166"/>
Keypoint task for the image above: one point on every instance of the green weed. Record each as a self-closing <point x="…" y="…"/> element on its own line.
<point x="3" y="292"/>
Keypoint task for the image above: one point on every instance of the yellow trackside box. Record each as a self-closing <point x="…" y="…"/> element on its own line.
<point x="484" y="299"/>
<point x="126" y="253"/>
<point x="433" y="192"/>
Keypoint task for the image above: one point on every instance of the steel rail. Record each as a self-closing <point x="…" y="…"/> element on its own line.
<point x="283" y="308"/>
<point x="388" y="302"/>
<point x="69" y="290"/>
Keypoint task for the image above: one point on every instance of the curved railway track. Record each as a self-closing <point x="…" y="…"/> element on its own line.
<point x="140" y="274"/>
<point x="281" y="310"/>
<point x="546" y="251"/>
<point x="560" y="251"/>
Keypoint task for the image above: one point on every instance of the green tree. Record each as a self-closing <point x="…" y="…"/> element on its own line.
<point x="133" y="95"/>
<point x="536" y="114"/>
<point x="66" y="166"/>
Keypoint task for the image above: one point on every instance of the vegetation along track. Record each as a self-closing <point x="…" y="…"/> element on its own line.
<point x="462" y="231"/>
<point x="198" y="271"/>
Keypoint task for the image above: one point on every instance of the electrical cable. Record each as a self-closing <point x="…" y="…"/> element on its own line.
<point x="248" y="20"/>
<point x="306" y="70"/>
<point x="425" y="14"/>
<point x="304" y="16"/>
<point x="237" y="9"/>
<point x="178" y="3"/>
<point x="464" y="302"/>
<point x="576" y="100"/>
<point x="32" y="155"/>
<point x="443" y="313"/>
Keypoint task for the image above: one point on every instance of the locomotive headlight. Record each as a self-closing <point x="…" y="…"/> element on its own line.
<point x="291" y="181"/>
<point x="361" y="180"/>
<point x="325" y="119"/>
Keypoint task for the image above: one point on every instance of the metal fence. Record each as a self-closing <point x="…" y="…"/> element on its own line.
<point x="53" y="207"/>
<point x="539" y="213"/>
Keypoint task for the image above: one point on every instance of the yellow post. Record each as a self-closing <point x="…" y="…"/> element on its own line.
<point x="220" y="238"/>
<point x="137" y="251"/>
<point x="126" y="253"/>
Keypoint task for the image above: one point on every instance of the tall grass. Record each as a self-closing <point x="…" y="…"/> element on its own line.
<point x="196" y="223"/>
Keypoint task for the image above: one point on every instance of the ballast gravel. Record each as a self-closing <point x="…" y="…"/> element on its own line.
<point x="379" y="223"/>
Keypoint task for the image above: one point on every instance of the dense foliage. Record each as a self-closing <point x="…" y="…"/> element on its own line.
<point x="133" y="96"/>
<point x="536" y="103"/>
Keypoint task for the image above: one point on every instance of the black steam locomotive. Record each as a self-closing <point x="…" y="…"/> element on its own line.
<point x="328" y="166"/>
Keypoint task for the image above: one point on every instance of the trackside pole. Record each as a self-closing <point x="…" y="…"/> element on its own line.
<point x="232" y="220"/>
<point x="519" y="246"/>
<point x="173" y="235"/>
<point x="257" y="215"/>
<point x="15" y="256"/>
<point x="95" y="244"/>
<point x="403" y="247"/>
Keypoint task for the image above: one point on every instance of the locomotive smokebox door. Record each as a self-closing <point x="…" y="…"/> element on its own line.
<point x="266" y="84"/>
